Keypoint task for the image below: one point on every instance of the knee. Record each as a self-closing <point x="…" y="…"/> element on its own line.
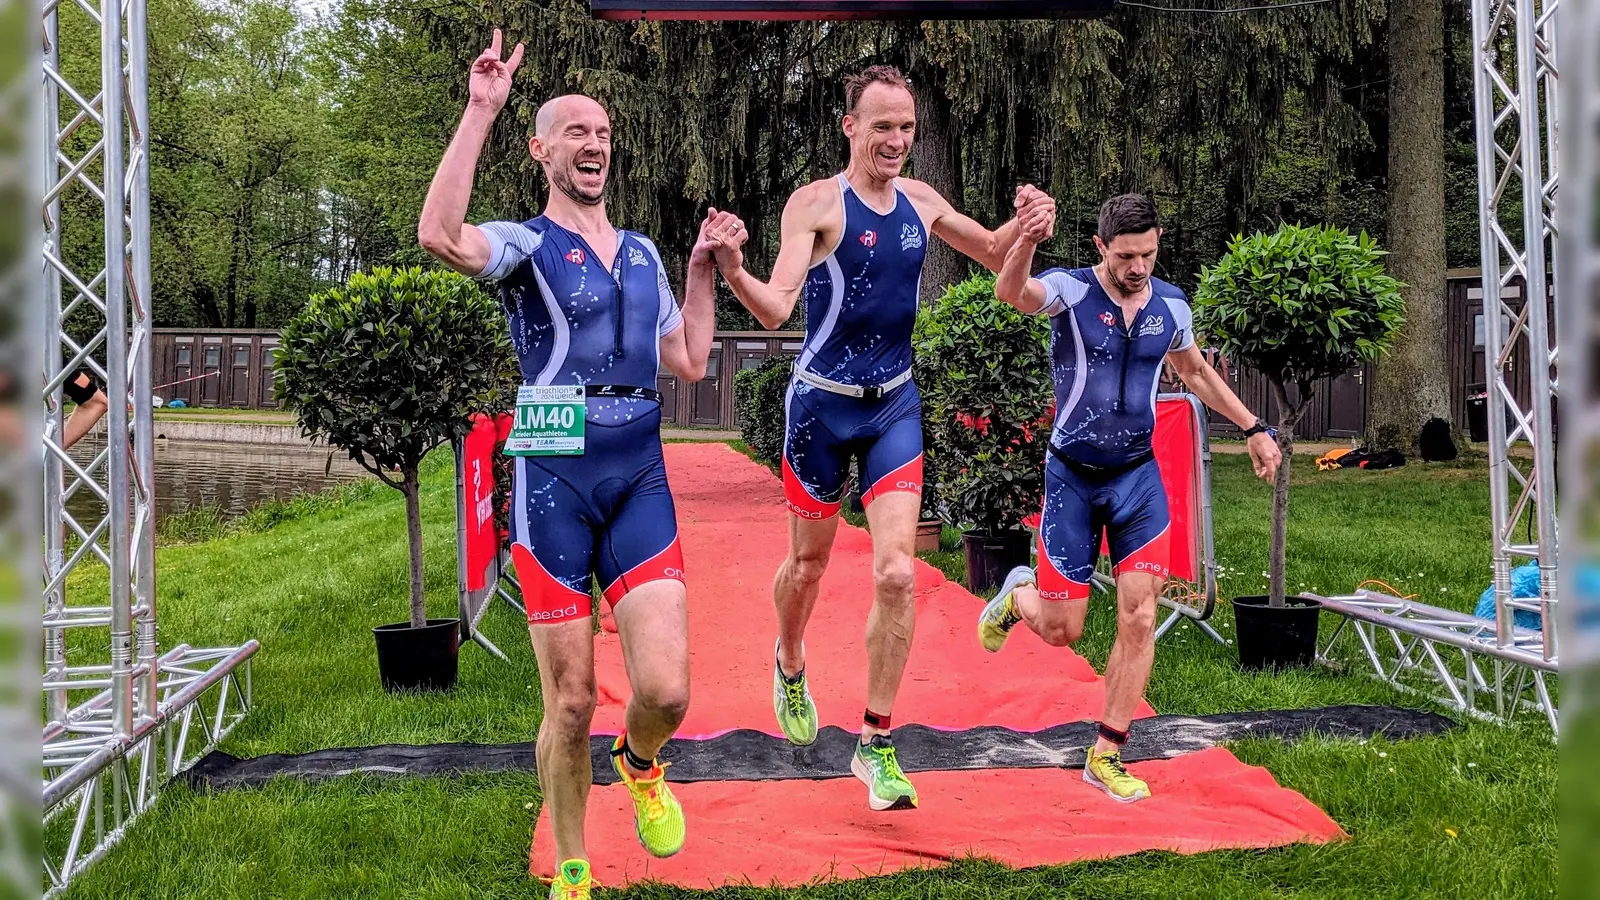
<point x="668" y="703"/>
<point x="1137" y="622"/>
<point x="807" y="566"/>
<point x="1060" y="632"/>
<point x="571" y="704"/>
<point x="895" y="579"/>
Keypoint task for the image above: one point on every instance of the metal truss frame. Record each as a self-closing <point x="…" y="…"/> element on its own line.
<point x="107" y="755"/>
<point x="1516" y="103"/>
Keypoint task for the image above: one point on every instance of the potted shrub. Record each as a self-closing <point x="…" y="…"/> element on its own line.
<point x="984" y="372"/>
<point x="386" y="368"/>
<point x="1298" y="305"/>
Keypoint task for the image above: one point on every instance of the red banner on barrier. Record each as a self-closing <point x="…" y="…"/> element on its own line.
<point x="483" y="542"/>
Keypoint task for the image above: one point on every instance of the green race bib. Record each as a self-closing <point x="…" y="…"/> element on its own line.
<point x="548" y="421"/>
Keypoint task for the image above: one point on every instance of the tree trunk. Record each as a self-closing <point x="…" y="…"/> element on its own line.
<point x="937" y="163"/>
<point x="410" y="487"/>
<point x="1411" y="385"/>
<point x="1288" y="417"/>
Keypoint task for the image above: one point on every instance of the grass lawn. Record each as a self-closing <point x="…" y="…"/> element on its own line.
<point x="1467" y="814"/>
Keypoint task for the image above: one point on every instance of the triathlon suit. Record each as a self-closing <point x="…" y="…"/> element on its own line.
<point x="607" y="513"/>
<point x="852" y="393"/>
<point x="1101" y="474"/>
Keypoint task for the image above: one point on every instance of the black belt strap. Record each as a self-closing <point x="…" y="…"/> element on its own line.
<point x="1084" y="468"/>
<point x="625" y="391"/>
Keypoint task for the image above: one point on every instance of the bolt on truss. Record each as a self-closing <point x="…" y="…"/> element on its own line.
<point x="115" y="728"/>
<point x="1515" y="103"/>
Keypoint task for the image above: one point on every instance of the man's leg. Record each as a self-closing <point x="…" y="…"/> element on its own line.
<point x="1133" y="653"/>
<point x="565" y="653"/>
<point x="893" y="520"/>
<point x="794" y="590"/>
<point x="653" y="622"/>
<point x="1054" y="599"/>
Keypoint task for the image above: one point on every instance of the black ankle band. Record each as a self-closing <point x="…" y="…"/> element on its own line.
<point x="875" y="720"/>
<point x="1111" y="734"/>
<point x="632" y="759"/>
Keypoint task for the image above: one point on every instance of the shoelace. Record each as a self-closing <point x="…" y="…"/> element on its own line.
<point x="890" y="763"/>
<point x="655" y="808"/>
<point x="1114" y="763"/>
<point x="1009" y="615"/>
<point x="794" y="693"/>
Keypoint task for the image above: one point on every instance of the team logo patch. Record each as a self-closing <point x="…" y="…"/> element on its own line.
<point x="910" y="236"/>
<point x="575" y="256"/>
<point x="1109" y="319"/>
<point x="869" y="238"/>
<point x="636" y="257"/>
<point x="1152" y="325"/>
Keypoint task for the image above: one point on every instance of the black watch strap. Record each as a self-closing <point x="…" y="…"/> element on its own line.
<point x="1259" y="427"/>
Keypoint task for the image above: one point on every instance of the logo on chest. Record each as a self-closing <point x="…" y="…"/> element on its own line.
<point x="869" y="239"/>
<point x="910" y="236"/>
<point x="636" y="257"/>
<point x="1152" y="325"/>
<point x="575" y="256"/>
<point x="1109" y="319"/>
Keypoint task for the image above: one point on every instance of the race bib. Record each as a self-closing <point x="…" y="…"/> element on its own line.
<point x="548" y="421"/>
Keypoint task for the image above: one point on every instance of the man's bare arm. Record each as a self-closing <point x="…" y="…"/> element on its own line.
<point x="443" y="230"/>
<point x="772" y="301"/>
<point x="966" y="235"/>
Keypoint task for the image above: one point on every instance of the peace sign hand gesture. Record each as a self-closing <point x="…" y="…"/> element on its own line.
<point x="489" y="81"/>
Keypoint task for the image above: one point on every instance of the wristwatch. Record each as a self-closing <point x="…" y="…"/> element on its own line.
<point x="1260" y="427"/>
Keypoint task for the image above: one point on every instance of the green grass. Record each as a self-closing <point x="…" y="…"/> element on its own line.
<point x="311" y="586"/>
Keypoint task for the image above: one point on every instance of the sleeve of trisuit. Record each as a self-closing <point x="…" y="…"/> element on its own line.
<point x="669" y="318"/>
<point x="510" y="243"/>
<point x="1062" y="291"/>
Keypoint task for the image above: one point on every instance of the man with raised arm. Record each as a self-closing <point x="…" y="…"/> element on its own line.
<point x="592" y="319"/>
<point x="1111" y="328"/>
<point x="853" y="245"/>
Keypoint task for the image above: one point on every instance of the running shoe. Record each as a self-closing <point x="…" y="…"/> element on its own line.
<point x="572" y="881"/>
<point x="657" y="815"/>
<point x="1105" y="771"/>
<point x="1000" y="615"/>
<point x="791" y="700"/>
<point x="887" y="786"/>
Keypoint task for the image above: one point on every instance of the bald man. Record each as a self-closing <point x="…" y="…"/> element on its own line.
<point x="592" y="319"/>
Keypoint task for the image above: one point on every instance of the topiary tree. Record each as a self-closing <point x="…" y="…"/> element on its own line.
<point x="984" y="372"/>
<point x="1298" y="305"/>
<point x="391" y="365"/>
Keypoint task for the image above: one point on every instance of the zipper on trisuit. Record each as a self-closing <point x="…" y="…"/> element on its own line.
<point x="1127" y="351"/>
<point x="616" y="276"/>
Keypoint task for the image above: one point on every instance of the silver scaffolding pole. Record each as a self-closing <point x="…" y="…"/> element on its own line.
<point x="1514" y="72"/>
<point x="120" y="716"/>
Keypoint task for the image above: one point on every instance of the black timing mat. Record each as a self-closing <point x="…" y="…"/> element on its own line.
<point x="747" y="755"/>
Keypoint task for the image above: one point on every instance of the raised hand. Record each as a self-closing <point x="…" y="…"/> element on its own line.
<point x="1036" y="214"/>
<point x="727" y="235"/>
<point x="489" y="80"/>
<point x="704" y="244"/>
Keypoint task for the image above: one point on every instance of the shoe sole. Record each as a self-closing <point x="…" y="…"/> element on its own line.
<point x="878" y="804"/>
<point x="1089" y="778"/>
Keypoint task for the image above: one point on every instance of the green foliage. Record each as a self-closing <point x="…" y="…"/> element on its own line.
<point x="758" y="396"/>
<point x="984" y="372"/>
<point x="1299" y="304"/>
<point x="392" y="364"/>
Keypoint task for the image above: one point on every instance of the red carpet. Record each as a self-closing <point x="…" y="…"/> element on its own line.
<point x="735" y="533"/>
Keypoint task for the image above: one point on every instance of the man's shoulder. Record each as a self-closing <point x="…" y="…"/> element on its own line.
<point x="1166" y="290"/>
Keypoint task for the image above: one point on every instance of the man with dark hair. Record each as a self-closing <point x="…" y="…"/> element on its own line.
<point x="592" y="320"/>
<point x="853" y="246"/>
<point x="1112" y="327"/>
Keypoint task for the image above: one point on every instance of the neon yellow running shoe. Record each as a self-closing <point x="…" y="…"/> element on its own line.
<point x="1105" y="772"/>
<point x="572" y="881"/>
<point x="791" y="701"/>
<point x="1000" y="615"/>
<point x="887" y="786"/>
<point x="657" y="815"/>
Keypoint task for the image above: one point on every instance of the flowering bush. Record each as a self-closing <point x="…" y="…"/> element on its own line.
<point x="984" y="372"/>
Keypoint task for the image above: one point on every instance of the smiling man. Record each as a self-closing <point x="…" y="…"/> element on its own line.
<point x="853" y="245"/>
<point x="592" y="320"/>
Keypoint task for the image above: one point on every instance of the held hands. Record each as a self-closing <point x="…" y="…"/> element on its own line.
<point x="1264" y="455"/>
<point x="1036" y="214"/>
<point x="489" y="79"/>
<point x="723" y="234"/>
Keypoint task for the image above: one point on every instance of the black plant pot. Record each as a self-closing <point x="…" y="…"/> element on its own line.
<point x="1276" y="637"/>
<point x="418" y="659"/>
<point x="991" y="555"/>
